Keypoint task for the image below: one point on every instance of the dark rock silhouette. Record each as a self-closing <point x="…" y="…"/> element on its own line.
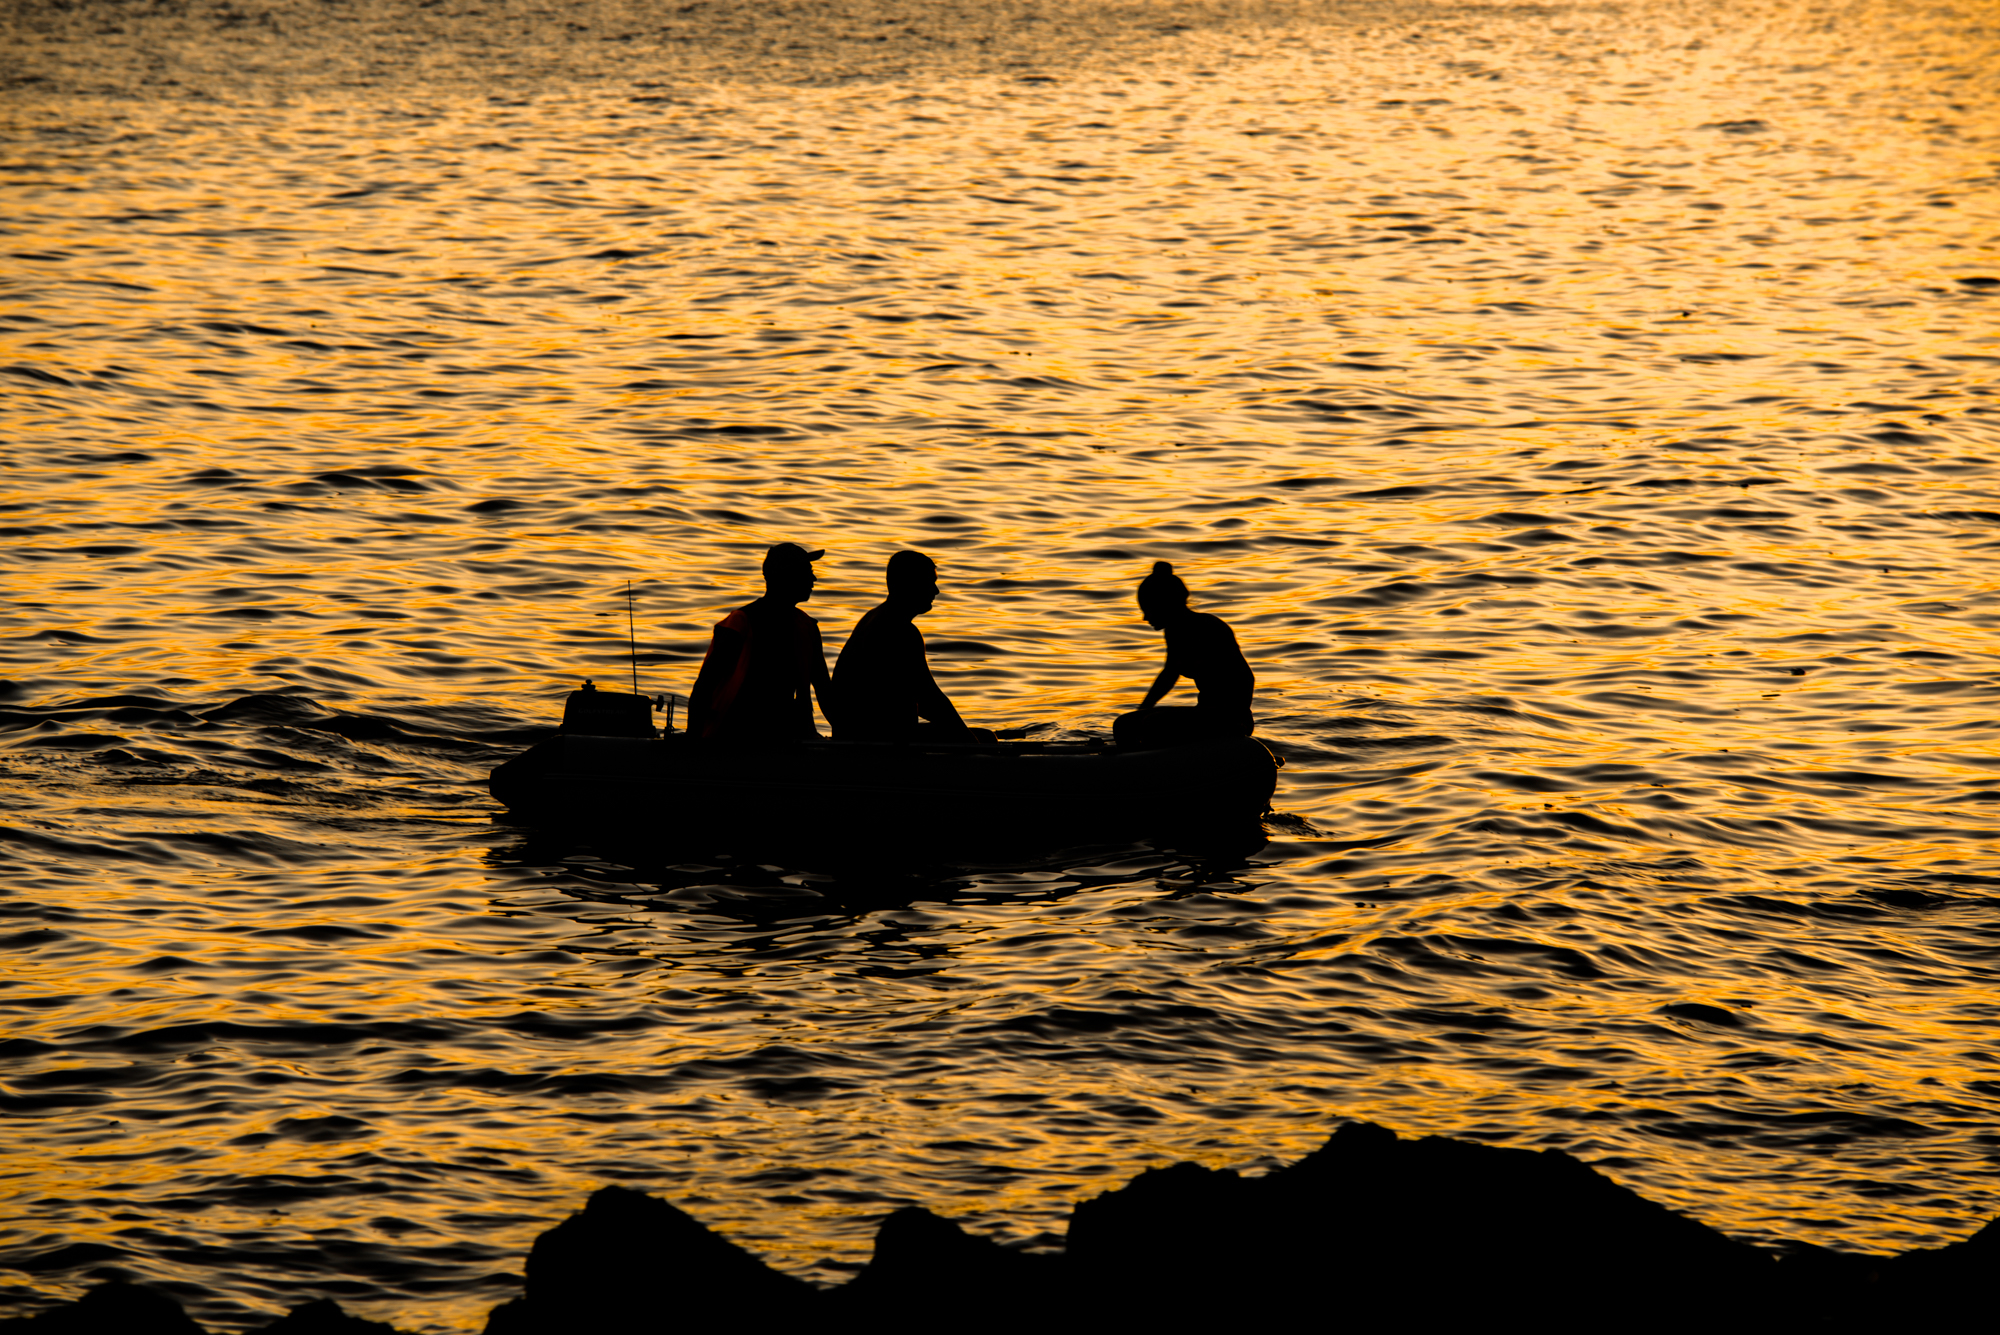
<point x="323" y="1316"/>
<point x="925" y="1265"/>
<point x="626" y="1258"/>
<point x="1939" y="1288"/>
<point x="1440" y="1226"/>
<point x="116" y="1308"/>
<point x="1368" y="1231"/>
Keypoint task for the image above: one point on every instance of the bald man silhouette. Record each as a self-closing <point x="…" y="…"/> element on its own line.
<point x="883" y="677"/>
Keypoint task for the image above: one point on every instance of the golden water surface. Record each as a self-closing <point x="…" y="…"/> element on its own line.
<point x="1585" y="415"/>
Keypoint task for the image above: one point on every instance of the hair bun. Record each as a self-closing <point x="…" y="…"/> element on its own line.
<point x="1163" y="567"/>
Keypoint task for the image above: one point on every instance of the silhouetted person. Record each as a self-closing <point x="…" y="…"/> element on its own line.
<point x="887" y="693"/>
<point x="1198" y="646"/>
<point x="765" y="662"/>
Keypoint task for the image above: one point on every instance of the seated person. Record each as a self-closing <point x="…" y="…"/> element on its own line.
<point x="764" y="662"/>
<point x="1198" y="646"/>
<point x="884" y="680"/>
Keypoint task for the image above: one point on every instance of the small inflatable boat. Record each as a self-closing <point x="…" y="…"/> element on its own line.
<point x="608" y="766"/>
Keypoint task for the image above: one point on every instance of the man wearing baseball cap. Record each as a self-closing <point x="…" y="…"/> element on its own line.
<point x="765" y="662"/>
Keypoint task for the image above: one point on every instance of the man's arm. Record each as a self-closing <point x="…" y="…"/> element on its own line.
<point x="822" y="684"/>
<point x="932" y="702"/>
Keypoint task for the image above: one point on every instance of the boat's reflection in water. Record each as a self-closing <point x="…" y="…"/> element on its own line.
<point x="771" y="873"/>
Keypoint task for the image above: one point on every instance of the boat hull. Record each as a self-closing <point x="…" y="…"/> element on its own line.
<point x="672" y="789"/>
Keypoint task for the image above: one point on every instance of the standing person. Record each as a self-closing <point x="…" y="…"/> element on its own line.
<point x="1200" y="646"/>
<point x="765" y="662"/>
<point x="883" y="678"/>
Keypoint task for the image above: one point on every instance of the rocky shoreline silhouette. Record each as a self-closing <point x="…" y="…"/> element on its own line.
<point x="1368" y="1228"/>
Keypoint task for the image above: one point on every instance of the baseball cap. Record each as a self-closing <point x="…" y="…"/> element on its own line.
<point x="789" y="555"/>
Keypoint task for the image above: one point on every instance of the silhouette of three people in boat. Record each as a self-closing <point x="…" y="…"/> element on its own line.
<point x="765" y="665"/>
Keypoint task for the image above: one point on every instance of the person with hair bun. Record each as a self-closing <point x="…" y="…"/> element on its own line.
<point x="1199" y="646"/>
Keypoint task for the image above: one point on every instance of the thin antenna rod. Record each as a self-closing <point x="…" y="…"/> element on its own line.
<point x="632" y="636"/>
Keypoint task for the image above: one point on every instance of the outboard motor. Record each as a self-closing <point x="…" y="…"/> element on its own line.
<point x="594" y="713"/>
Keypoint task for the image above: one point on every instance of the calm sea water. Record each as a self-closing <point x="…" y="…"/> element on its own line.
<point x="1586" y="416"/>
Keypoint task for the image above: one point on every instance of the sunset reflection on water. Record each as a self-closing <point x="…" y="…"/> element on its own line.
<point x="1585" y="419"/>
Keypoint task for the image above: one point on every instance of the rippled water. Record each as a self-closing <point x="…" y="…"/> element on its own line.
<point x="1585" y="416"/>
